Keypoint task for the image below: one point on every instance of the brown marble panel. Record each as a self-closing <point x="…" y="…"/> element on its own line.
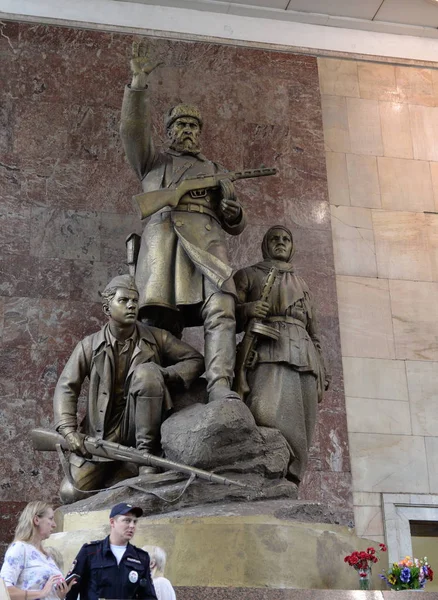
<point x="60" y="184"/>
<point x="74" y="183"/>
<point x="330" y="340"/>
<point x="2" y="312"/>
<point x="84" y="63"/>
<point x="88" y="278"/>
<point x="14" y="226"/>
<point x="65" y="234"/>
<point x="62" y="322"/>
<point x="94" y="133"/>
<point x="18" y="274"/>
<point x="244" y="249"/>
<point x="10" y="175"/>
<point x="53" y="278"/>
<point x="20" y="322"/>
<point x="275" y="100"/>
<point x="29" y="470"/>
<point x="8" y="41"/>
<point x="7" y="114"/>
<point x="314" y="262"/>
<point x="114" y="231"/>
<point x="333" y="440"/>
<point x="315" y="450"/>
<point x="302" y="70"/>
<point x="110" y="187"/>
<point x="336" y="490"/>
<point x="306" y="202"/>
<point x="67" y="202"/>
<point x="260" y="198"/>
<point x="310" y="488"/>
<point x="33" y="363"/>
<point x="9" y="513"/>
<point x="35" y="137"/>
<point x="42" y="75"/>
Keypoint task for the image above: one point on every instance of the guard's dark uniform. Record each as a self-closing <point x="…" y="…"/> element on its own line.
<point x="102" y="577"/>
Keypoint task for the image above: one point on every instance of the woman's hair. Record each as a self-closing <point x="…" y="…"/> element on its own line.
<point x="26" y="527"/>
<point x="158" y="556"/>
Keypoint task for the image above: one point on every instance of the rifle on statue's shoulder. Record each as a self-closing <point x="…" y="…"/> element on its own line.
<point x="47" y="439"/>
<point x="246" y="351"/>
<point x="150" y="202"/>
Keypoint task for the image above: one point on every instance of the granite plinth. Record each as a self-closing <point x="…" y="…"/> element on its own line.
<point x="266" y="544"/>
<point x="214" y="593"/>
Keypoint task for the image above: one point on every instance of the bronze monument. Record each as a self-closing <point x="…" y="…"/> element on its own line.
<point x="180" y="277"/>
<point x="285" y="373"/>
<point x="182" y="270"/>
<point x="132" y="369"/>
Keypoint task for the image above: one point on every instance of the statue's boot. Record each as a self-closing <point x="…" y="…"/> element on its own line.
<point x="220" y="346"/>
<point x="148" y="416"/>
<point x="222" y="391"/>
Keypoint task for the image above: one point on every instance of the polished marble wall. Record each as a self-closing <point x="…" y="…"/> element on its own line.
<point x="381" y="132"/>
<point x="66" y="210"/>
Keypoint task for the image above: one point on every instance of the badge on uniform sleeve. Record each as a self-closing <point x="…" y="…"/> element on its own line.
<point x="133" y="576"/>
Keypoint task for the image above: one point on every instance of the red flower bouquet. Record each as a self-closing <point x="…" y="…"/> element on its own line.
<point x="362" y="562"/>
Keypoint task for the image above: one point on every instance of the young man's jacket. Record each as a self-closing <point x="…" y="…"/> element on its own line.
<point x="93" y="358"/>
<point x="102" y="577"/>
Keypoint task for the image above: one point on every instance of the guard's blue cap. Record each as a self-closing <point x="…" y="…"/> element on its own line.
<point x="124" y="509"/>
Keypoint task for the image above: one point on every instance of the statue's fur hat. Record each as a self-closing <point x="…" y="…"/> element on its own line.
<point x="182" y="110"/>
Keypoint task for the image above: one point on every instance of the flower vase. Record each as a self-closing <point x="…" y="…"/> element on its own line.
<point x="365" y="579"/>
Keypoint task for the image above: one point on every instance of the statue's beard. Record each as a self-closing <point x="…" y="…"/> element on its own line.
<point x="186" y="145"/>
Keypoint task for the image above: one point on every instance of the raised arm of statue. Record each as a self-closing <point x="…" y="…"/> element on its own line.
<point x="135" y="124"/>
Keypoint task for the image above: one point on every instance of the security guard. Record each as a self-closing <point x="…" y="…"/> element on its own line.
<point x="114" y="568"/>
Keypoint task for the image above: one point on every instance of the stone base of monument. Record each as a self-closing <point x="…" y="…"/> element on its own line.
<point x="194" y="593"/>
<point x="267" y="544"/>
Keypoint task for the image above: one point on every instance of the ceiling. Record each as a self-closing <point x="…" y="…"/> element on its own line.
<point x="409" y="17"/>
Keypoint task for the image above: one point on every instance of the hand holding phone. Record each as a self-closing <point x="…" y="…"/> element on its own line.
<point x="71" y="577"/>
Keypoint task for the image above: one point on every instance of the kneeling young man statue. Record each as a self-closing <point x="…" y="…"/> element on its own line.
<point x="131" y="370"/>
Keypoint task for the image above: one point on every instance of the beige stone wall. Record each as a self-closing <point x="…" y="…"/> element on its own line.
<point x="381" y="136"/>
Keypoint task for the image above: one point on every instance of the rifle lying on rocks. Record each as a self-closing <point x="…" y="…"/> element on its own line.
<point x="48" y="440"/>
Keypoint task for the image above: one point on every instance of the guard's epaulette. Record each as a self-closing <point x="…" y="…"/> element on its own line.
<point x="93" y="542"/>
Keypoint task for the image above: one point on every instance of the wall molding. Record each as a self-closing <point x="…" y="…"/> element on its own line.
<point x="232" y="29"/>
<point x="398" y="511"/>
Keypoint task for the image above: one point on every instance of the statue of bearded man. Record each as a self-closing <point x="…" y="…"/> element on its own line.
<point x="183" y="273"/>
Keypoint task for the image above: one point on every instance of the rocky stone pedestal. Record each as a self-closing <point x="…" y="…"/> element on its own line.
<point x="267" y="544"/>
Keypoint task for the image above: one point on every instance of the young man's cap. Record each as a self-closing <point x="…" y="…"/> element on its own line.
<point x="124" y="509"/>
<point x="121" y="281"/>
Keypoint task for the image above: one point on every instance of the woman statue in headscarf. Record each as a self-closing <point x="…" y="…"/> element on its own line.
<point x="289" y="377"/>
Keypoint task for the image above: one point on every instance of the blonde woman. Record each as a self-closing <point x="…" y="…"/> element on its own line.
<point x="163" y="587"/>
<point x="28" y="571"/>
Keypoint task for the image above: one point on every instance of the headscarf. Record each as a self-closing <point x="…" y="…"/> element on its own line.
<point x="293" y="288"/>
<point x="282" y="265"/>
